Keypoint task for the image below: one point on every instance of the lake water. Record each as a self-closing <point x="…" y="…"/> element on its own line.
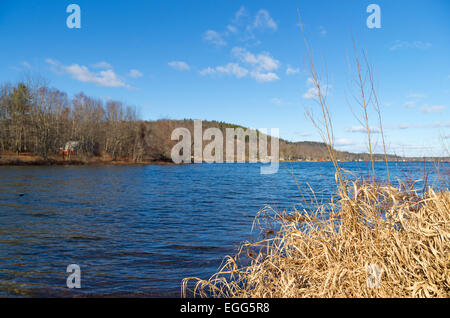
<point x="139" y="230"/>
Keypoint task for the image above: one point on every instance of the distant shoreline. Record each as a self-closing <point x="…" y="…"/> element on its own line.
<point x="49" y="163"/>
<point x="32" y="160"/>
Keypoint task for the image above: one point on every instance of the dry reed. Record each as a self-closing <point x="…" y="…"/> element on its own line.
<point x="403" y="236"/>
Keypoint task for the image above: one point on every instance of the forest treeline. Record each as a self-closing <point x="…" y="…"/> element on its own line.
<point x="40" y="120"/>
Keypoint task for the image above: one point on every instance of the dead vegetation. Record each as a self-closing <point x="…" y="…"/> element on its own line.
<point x="331" y="252"/>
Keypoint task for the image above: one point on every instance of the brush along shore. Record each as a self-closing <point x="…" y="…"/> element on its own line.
<point x="26" y="159"/>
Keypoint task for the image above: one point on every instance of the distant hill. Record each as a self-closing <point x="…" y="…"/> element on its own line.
<point x="47" y="126"/>
<point x="160" y="145"/>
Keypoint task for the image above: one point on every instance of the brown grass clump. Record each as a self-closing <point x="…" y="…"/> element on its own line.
<point x="380" y="241"/>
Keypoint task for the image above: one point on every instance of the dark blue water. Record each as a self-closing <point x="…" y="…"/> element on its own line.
<point x="139" y="230"/>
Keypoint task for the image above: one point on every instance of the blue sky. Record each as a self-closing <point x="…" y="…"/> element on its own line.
<point x="242" y="61"/>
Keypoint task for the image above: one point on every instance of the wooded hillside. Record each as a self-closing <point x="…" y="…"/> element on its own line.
<point x="39" y="120"/>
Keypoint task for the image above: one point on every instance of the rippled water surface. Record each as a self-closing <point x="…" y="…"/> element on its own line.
<point x="139" y="230"/>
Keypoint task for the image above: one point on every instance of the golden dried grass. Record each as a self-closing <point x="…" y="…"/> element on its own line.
<point x="333" y="251"/>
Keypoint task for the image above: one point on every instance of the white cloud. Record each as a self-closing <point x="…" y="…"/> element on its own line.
<point x="214" y="37"/>
<point x="261" y="62"/>
<point x="302" y="134"/>
<point x="51" y="62"/>
<point x="260" y="67"/>
<point x="361" y="129"/>
<point x="433" y="109"/>
<point x="403" y="126"/>
<point x="405" y="45"/>
<point x="207" y="71"/>
<point x="229" y="69"/>
<point x="236" y="23"/>
<point x="434" y="125"/>
<point x="409" y="104"/>
<point x="439" y="124"/>
<point x="103" y="78"/>
<point x="263" y="65"/>
<point x="264" y="77"/>
<point x="263" y="20"/>
<point x="179" y="65"/>
<point x="26" y="64"/>
<point x="232" y="69"/>
<point x="416" y="95"/>
<point x="312" y="92"/>
<point x="242" y="28"/>
<point x="102" y="64"/>
<point x="23" y="65"/>
<point x="242" y="12"/>
<point x="310" y="81"/>
<point x="232" y="28"/>
<point x="291" y="71"/>
<point x="322" y="31"/>
<point x="82" y="73"/>
<point x="135" y="73"/>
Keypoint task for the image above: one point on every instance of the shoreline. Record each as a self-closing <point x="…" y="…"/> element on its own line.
<point x="75" y="162"/>
<point x="31" y="160"/>
<point x="25" y="159"/>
